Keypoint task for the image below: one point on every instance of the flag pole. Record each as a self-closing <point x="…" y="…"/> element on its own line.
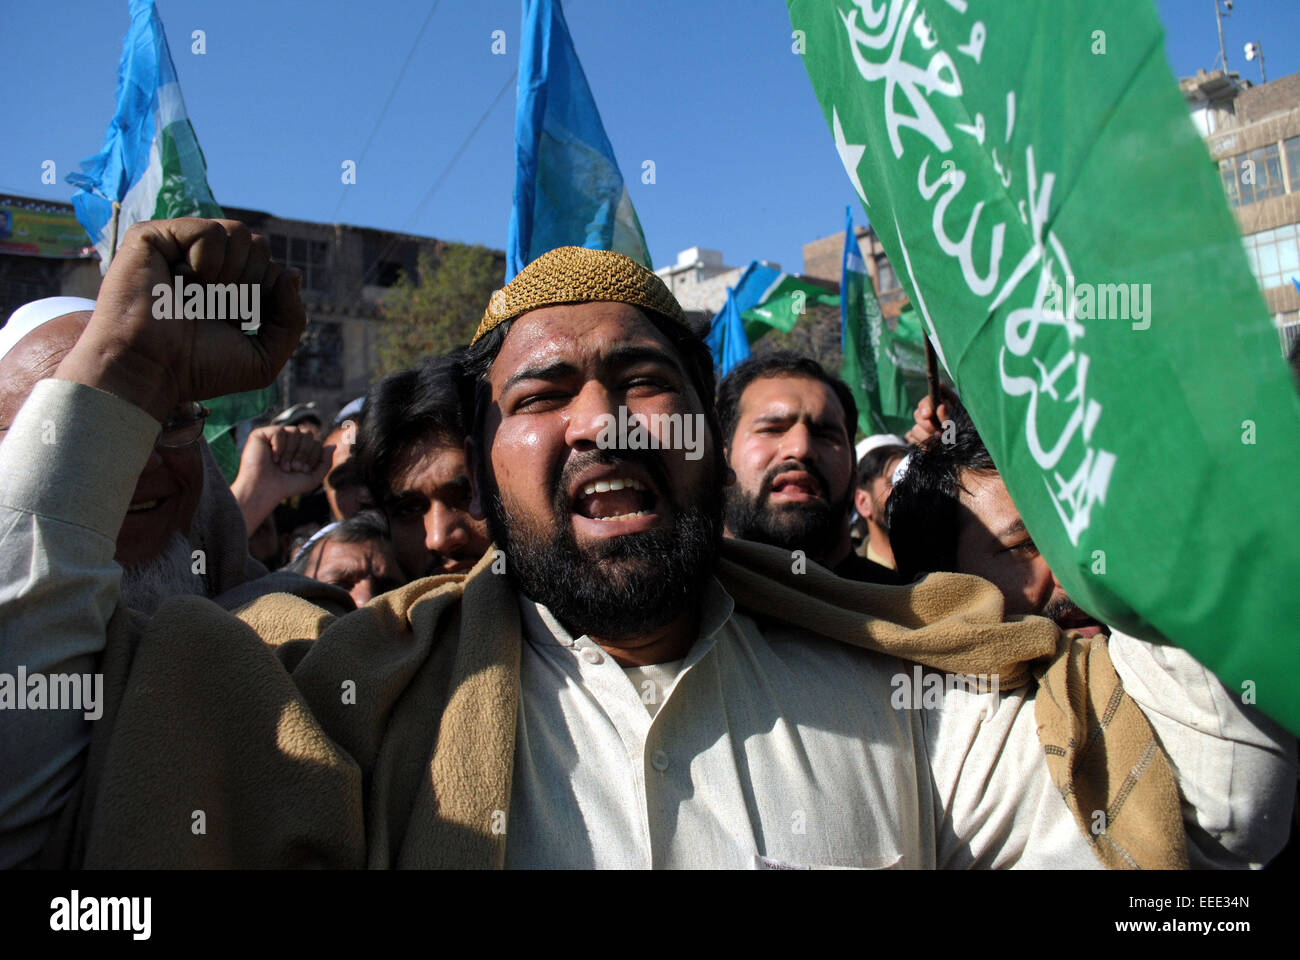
<point x="112" y="233"/>
<point x="932" y="378"/>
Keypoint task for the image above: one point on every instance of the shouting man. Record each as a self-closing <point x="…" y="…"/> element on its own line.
<point x="787" y="429"/>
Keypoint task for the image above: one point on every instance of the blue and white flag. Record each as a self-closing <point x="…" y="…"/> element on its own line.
<point x="568" y="190"/>
<point x="151" y="162"/>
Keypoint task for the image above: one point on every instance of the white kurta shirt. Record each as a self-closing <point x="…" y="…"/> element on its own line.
<point x="782" y="749"/>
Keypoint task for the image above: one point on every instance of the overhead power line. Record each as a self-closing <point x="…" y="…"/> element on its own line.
<point x="415" y="214"/>
<point x="401" y="75"/>
<point x="372" y="270"/>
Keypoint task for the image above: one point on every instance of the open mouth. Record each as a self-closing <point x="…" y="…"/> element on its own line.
<point x="614" y="498"/>
<point x="795" y="485"/>
<point x="1077" y="621"/>
<point x="1086" y="628"/>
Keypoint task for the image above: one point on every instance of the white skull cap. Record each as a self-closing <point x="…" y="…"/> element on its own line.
<point x="32" y="315"/>
<point x="867" y="444"/>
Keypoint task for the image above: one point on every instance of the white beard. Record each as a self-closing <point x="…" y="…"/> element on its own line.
<point x="148" y="584"/>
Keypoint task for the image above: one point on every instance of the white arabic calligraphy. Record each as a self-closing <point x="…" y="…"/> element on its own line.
<point x="1050" y="373"/>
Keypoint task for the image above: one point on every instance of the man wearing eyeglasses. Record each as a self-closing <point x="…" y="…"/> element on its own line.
<point x="178" y="535"/>
<point x="152" y="545"/>
<point x="91" y="482"/>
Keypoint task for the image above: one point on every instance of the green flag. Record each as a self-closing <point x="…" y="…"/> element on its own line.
<point x="227" y="413"/>
<point x="900" y="365"/>
<point x="884" y="368"/>
<point x="861" y="324"/>
<point x="1034" y="176"/>
<point x="783" y="303"/>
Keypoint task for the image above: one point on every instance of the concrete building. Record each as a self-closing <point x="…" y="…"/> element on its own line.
<point x="43" y="253"/>
<point x="699" y="280"/>
<point x="823" y="262"/>
<point x="1253" y="134"/>
<point x="346" y="271"/>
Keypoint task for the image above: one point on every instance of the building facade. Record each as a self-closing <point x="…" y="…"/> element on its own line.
<point x="43" y="253"/>
<point x="823" y="262"/>
<point x="346" y="272"/>
<point x="1253" y="135"/>
<point x="699" y="279"/>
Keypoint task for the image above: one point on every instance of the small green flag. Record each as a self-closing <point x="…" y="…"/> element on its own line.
<point x="861" y="324"/>
<point x="900" y="365"/>
<point x="1034" y="176"/>
<point x="227" y="413"/>
<point x="884" y="368"/>
<point x="782" y="304"/>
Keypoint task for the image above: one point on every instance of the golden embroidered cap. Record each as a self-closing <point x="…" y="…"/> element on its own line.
<point x="579" y="275"/>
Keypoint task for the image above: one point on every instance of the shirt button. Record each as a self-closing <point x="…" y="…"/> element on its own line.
<point x="592" y="655"/>
<point x="659" y="760"/>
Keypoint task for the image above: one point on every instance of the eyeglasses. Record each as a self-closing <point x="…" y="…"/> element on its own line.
<point x="183" y="427"/>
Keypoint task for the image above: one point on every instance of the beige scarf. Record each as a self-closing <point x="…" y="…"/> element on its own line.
<point x="389" y="740"/>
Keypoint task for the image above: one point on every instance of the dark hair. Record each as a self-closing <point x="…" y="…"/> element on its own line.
<point x="923" y="512"/>
<point x="873" y="462"/>
<point x="475" y="394"/>
<point x="362" y="527"/>
<point x="417" y="405"/>
<point x="779" y="364"/>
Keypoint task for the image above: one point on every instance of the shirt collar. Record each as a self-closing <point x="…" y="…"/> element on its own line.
<point x="717" y="606"/>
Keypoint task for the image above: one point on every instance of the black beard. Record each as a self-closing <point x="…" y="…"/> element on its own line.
<point x="815" y="528"/>
<point x="1066" y="614"/>
<point x="626" y="586"/>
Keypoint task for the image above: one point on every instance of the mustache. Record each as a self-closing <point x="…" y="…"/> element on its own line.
<point x="765" y="490"/>
<point x="1064" y="610"/>
<point x="586" y="459"/>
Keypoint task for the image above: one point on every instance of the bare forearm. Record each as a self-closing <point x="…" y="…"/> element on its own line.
<point x="254" y="504"/>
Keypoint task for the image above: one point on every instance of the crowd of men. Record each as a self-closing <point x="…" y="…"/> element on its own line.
<point x="461" y="627"/>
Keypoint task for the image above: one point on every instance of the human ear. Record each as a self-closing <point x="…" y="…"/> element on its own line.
<point x="862" y="500"/>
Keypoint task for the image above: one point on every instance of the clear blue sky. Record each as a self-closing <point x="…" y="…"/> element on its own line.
<point x="288" y="89"/>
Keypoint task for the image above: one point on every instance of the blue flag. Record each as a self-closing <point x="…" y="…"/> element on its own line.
<point x="568" y="191"/>
<point x="726" y="339"/>
<point x="150" y="162"/>
<point x="152" y="165"/>
<point x="756" y="284"/>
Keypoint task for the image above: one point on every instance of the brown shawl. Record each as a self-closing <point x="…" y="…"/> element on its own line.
<point x="389" y="740"/>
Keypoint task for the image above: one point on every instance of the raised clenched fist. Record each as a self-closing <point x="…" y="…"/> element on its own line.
<point x="277" y="463"/>
<point x="156" y="349"/>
